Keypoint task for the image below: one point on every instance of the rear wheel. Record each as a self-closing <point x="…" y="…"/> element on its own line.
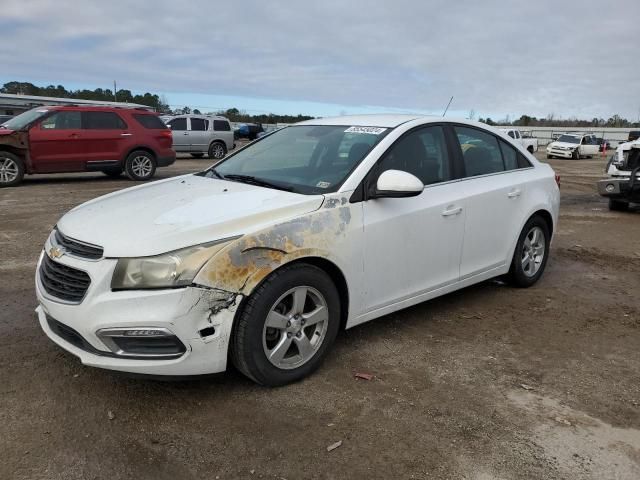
<point x="140" y="165"/>
<point x="286" y="326"/>
<point x="197" y="155"/>
<point x="217" y="150"/>
<point x="618" y="205"/>
<point x="530" y="256"/>
<point x="11" y="169"/>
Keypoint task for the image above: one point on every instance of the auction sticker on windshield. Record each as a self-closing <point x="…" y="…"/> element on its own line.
<point x="371" y="130"/>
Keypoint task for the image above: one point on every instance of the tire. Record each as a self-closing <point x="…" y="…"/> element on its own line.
<point x="11" y="169"/>
<point x="618" y="205"/>
<point x="217" y="150"/>
<point x="549" y="156"/>
<point x="524" y="275"/>
<point x="140" y="165"/>
<point x="575" y="155"/>
<point x="197" y="155"/>
<point x="253" y="341"/>
<point x="114" y="172"/>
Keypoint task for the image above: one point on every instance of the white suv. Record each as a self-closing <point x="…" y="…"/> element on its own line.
<point x="265" y="257"/>
<point x="202" y="134"/>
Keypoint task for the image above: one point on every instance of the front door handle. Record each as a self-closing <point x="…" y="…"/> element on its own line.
<point x="451" y="210"/>
<point x="515" y="193"/>
<point x="74" y="135"/>
<point x="126" y="134"/>
<point x="186" y="133"/>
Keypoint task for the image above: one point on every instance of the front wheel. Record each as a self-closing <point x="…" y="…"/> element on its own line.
<point x="11" y="169"/>
<point x="140" y="165"/>
<point x="287" y="326"/>
<point x="532" y="251"/>
<point x="575" y="155"/>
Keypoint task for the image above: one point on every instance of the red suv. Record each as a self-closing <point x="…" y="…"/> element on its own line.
<point x="82" y="138"/>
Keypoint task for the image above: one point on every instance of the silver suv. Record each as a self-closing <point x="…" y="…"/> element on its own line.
<point x="201" y="134"/>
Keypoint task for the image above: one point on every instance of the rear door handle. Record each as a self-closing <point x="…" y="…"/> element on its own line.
<point x="451" y="211"/>
<point x="74" y="135"/>
<point x="515" y="193"/>
<point x="186" y="133"/>
<point x="126" y="134"/>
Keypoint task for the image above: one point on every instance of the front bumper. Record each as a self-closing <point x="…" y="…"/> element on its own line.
<point x="618" y="188"/>
<point x="200" y="318"/>
<point x="560" y="153"/>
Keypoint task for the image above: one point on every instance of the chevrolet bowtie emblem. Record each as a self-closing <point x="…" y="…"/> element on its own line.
<point x="55" y="252"/>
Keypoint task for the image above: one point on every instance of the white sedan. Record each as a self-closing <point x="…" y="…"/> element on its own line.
<point x="264" y="258"/>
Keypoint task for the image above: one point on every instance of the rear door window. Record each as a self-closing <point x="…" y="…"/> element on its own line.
<point x="102" y="121"/>
<point x="480" y="151"/>
<point x="221" y="126"/>
<point x="178" y="124"/>
<point x="199" y="124"/>
<point x="65" y="120"/>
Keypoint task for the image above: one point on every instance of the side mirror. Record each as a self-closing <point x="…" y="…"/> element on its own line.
<point x="398" y="184"/>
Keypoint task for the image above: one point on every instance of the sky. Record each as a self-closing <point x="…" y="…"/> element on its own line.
<point x="569" y="58"/>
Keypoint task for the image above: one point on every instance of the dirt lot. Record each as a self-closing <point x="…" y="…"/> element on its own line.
<point x="489" y="382"/>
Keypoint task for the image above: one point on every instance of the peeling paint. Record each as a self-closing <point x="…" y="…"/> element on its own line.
<point x="244" y="263"/>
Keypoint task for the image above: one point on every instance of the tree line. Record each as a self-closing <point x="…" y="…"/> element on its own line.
<point x="157" y="102"/>
<point x="615" y="121"/>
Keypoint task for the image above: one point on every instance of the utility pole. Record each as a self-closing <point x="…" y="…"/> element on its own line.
<point x="115" y="95"/>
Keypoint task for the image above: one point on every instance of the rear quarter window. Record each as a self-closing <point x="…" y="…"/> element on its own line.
<point x="151" y="122"/>
<point x="221" y="126"/>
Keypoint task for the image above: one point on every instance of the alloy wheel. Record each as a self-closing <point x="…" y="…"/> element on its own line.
<point x="142" y="166"/>
<point x="533" y="251"/>
<point x="217" y="151"/>
<point x="8" y="170"/>
<point x="295" y="327"/>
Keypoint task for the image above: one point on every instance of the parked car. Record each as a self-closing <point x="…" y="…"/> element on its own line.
<point x="79" y="139"/>
<point x="250" y="131"/>
<point x="573" y="145"/>
<point x="622" y="185"/>
<point x="5" y="118"/>
<point x="530" y="143"/>
<point x="633" y="135"/>
<point x="317" y="227"/>
<point x="202" y="134"/>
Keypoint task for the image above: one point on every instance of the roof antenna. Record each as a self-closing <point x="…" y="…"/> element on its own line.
<point x="445" y="110"/>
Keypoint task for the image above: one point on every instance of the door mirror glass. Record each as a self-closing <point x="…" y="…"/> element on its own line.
<point x="398" y="184"/>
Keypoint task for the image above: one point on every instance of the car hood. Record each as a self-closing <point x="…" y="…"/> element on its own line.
<point x="179" y="212"/>
<point x="563" y="144"/>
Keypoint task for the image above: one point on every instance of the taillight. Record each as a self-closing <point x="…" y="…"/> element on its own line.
<point x="558" y="180"/>
<point x="166" y="133"/>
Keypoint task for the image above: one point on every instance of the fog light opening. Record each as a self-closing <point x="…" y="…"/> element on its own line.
<point x="610" y="187"/>
<point x="150" y="343"/>
<point x="207" y="332"/>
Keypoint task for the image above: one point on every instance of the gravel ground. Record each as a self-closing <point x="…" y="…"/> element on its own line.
<point x="488" y="382"/>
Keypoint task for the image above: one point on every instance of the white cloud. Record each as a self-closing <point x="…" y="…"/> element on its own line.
<point x="511" y="57"/>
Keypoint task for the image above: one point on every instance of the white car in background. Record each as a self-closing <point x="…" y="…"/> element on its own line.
<point x="265" y="257"/>
<point x="528" y="142"/>
<point x="622" y="185"/>
<point x="573" y="145"/>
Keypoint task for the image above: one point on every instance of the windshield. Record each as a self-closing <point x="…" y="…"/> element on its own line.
<point x="568" y="139"/>
<point x="20" y="121"/>
<point x="302" y="159"/>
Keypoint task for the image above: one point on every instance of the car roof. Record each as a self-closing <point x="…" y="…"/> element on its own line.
<point x="105" y="108"/>
<point x="370" y="120"/>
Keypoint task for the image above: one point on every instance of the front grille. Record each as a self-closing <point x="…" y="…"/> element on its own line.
<point x="77" y="248"/>
<point x="62" y="281"/>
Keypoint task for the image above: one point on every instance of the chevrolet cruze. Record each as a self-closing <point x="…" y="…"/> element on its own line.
<point x="263" y="258"/>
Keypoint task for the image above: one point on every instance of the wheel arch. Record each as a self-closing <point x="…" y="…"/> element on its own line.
<point x="546" y="216"/>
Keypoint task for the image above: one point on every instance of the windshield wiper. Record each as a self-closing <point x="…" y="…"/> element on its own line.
<point x="250" y="179"/>
<point x="220" y="176"/>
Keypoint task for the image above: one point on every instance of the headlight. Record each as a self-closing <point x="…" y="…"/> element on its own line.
<point x="169" y="270"/>
<point x="621" y="160"/>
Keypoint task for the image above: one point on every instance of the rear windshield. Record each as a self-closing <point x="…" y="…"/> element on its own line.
<point x="150" y="121"/>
